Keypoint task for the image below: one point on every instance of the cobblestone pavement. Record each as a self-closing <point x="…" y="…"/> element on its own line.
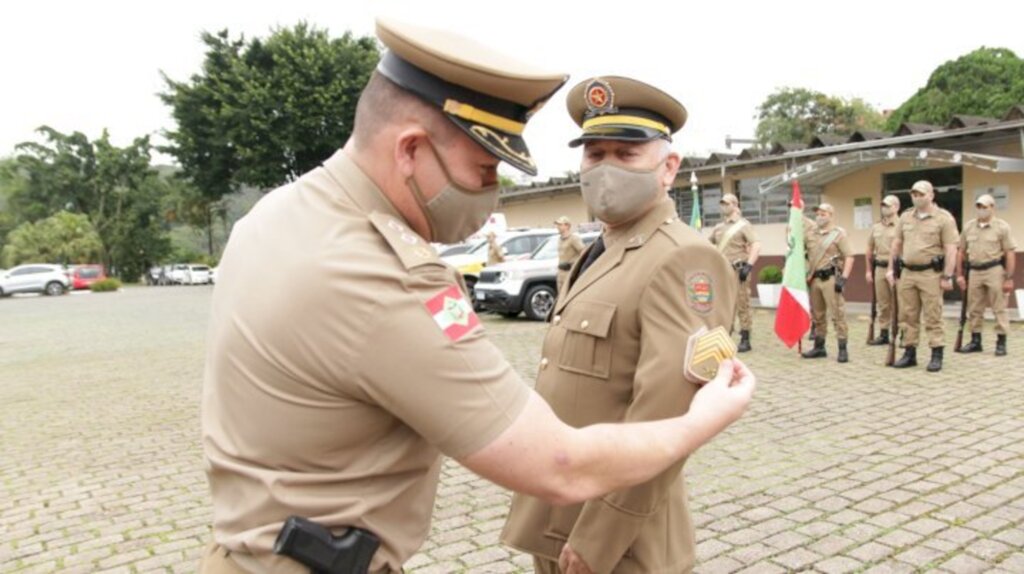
<point x="836" y="468"/>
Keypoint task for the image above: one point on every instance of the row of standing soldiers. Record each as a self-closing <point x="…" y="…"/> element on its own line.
<point x="912" y="258"/>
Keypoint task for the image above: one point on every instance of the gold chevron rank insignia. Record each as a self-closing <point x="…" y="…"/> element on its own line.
<point x="705" y="350"/>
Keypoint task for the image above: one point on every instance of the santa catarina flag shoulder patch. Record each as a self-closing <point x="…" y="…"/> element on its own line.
<point x="452" y="313"/>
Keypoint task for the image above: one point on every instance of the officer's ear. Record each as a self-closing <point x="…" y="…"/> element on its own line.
<point x="408" y="143"/>
<point x="672" y="162"/>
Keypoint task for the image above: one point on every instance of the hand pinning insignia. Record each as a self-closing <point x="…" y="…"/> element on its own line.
<point x="705" y="351"/>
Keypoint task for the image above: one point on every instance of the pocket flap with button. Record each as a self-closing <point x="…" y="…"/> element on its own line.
<point x="593" y="318"/>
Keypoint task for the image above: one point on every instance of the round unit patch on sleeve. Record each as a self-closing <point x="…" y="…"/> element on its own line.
<point x="699" y="292"/>
<point x="452" y="313"/>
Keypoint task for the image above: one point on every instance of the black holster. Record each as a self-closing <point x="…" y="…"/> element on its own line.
<point x="314" y="546"/>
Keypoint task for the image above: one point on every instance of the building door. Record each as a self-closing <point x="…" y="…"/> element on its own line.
<point x="949" y="194"/>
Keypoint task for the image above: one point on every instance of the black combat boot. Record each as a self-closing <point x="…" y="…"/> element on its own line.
<point x="744" y="345"/>
<point x="909" y="359"/>
<point x="843" y="357"/>
<point x="974" y="346"/>
<point x="1000" y="345"/>
<point x="935" y="365"/>
<point x="818" y="352"/>
<point x="881" y="339"/>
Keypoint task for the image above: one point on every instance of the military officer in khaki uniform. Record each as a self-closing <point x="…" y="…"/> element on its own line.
<point x="830" y="261"/>
<point x="569" y="248"/>
<point x="876" y="257"/>
<point x="987" y="249"/>
<point x="495" y="255"/>
<point x="616" y="349"/>
<point x="332" y="387"/>
<point x="926" y="243"/>
<point x="736" y="239"/>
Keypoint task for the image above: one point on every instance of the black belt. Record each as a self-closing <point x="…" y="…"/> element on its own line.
<point x="925" y="267"/>
<point x="984" y="266"/>
<point x="824" y="274"/>
<point x="879" y="263"/>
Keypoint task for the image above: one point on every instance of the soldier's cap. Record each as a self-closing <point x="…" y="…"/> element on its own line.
<point x="892" y="201"/>
<point x="826" y="207"/>
<point x="922" y="186"/>
<point x="563" y="220"/>
<point x="617" y="108"/>
<point x="729" y="198"/>
<point x="985" y="199"/>
<point x="487" y="94"/>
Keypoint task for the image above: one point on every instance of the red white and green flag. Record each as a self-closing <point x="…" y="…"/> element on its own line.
<point x="793" y="319"/>
<point x="452" y="313"/>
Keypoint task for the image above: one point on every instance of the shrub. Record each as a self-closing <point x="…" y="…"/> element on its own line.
<point x="769" y="274"/>
<point x="109" y="284"/>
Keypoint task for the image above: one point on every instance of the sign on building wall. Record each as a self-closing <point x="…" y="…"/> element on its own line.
<point x="1001" y="193"/>
<point x="862" y="213"/>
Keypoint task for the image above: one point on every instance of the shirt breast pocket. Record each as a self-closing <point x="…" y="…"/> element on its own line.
<point x="587" y="348"/>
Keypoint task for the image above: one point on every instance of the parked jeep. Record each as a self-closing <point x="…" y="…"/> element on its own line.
<point x="525" y="286"/>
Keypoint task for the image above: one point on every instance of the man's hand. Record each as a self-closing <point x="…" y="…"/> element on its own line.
<point x="961" y="282"/>
<point x="1007" y="285"/>
<point x="869" y="277"/>
<point x="890" y="276"/>
<point x="571" y="563"/>
<point x="722" y="401"/>
<point x="946" y="284"/>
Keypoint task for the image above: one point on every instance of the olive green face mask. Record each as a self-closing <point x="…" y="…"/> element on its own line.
<point x="457" y="212"/>
<point x="616" y="194"/>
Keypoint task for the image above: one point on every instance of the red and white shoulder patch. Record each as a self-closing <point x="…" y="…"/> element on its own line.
<point x="452" y="313"/>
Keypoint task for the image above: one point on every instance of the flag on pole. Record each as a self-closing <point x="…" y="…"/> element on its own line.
<point x="695" y="221"/>
<point x="793" y="319"/>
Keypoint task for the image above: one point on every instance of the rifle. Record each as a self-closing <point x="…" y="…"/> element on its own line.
<point x="963" y="306"/>
<point x="894" y="320"/>
<point x="874" y="301"/>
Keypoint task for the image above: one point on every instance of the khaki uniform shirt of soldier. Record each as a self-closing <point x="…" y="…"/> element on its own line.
<point x="615" y="352"/>
<point x="495" y="255"/>
<point x="983" y="244"/>
<point x="734" y="238"/>
<point x="923" y="237"/>
<point x="880" y="247"/>
<point x="825" y="259"/>
<point x="569" y="248"/>
<point x="305" y="409"/>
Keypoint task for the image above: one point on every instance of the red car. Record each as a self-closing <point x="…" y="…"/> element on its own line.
<point x="82" y="276"/>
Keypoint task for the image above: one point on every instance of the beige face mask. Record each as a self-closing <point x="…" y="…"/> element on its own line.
<point x="984" y="213"/>
<point x="617" y="195"/>
<point x="457" y="212"/>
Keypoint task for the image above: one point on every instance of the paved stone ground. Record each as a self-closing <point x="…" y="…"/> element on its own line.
<point x="836" y="468"/>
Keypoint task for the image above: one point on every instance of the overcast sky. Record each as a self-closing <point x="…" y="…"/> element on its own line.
<point x="84" y="66"/>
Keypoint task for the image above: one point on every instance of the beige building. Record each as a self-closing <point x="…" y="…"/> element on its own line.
<point x="963" y="159"/>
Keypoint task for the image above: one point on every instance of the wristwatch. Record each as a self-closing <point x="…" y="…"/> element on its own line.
<point x="947" y="277"/>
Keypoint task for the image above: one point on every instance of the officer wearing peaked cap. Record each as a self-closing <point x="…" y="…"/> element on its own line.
<point x="877" y="257"/>
<point x="830" y="261"/>
<point x="987" y="249"/>
<point x="569" y="248"/>
<point x="734" y="236"/>
<point x="926" y="243"/>
<point x="306" y="411"/>
<point x="617" y="348"/>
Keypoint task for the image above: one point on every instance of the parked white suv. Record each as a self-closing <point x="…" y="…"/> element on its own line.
<point x="197" y="275"/>
<point x="35" y="278"/>
<point x="517" y="244"/>
<point x="527" y="286"/>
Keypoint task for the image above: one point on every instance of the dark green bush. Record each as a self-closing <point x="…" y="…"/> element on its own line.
<point x="769" y="274"/>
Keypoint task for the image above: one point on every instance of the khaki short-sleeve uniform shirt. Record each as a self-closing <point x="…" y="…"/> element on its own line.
<point x="343" y="358"/>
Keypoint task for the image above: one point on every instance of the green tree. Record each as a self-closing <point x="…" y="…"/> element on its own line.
<point x="61" y="238"/>
<point x="12" y="182"/>
<point x="798" y="114"/>
<point x="985" y="82"/>
<point x="263" y="112"/>
<point x="115" y="188"/>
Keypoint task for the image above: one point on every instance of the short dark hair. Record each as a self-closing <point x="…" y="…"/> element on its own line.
<point x="383" y="101"/>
